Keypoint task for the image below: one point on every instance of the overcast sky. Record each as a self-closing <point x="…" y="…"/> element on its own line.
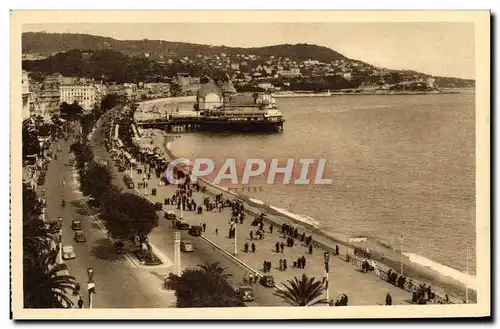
<point x="444" y="49"/>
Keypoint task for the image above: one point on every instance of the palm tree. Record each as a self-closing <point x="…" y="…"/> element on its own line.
<point x="44" y="285"/>
<point x="302" y="293"/>
<point x="216" y="270"/>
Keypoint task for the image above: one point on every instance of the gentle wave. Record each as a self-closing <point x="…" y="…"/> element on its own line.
<point x="300" y="218"/>
<point x="256" y="201"/>
<point x="466" y="279"/>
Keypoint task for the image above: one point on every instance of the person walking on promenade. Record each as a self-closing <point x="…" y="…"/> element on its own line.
<point x="336" y="249"/>
<point x="264" y="266"/>
<point x="299" y="262"/>
<point x="284" y="265"/>
<point x="204" y="227"/>
<point x="388" y="299"/>
<point x="303" y="262"/>
<point x="310" y="249"/>
<point x="245" y="279"/>
<point x="271" y="228"/>
<point x="253" y="247"/>
<point x="282" y="246"/>
<point x="80" y="302"/>
<point x="281" y="264"/>
<point x="246" y="247"/>
<point x="216" y="231"/>
<point x="277" y="246"/>
<point x="251" y="235"/>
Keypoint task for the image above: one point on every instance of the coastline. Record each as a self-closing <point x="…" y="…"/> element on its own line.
<point x="383" y="254"/>
<point x="363" y="93"/>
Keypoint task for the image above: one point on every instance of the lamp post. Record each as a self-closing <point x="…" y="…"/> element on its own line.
<point x="235" y="241"/>
<point x="90" y="284"/>
<point x="326" y="257"/>
<point x="401" y="260"/>
<point x="181" y="216"/>
<point x="467" y="275"/>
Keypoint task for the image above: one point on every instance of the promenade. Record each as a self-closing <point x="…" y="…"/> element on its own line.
<point x="344" y="278"/>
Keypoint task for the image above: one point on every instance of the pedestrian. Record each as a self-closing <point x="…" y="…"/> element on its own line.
<point x="388" y="299"/>
<point x="251" y="235"/>
<point x="310" y="249"/>
<point x="271" y="228"/>
<point x="204" y="226"/>
<point x="299" y="262"/>
<point x="264" y="267"/>
<point x="281" y="264"/>
<point x="216" y="231"/>
<point x="336" y="249"/>
<point x="80" y="302"/>
<point x="253" y="247"/>
<point x="277" y="246"/>
<point x="284" y="264"/>
<point x="246" y="247"/>
<point x="282" y="245"/>
<point x="303" y="262"/>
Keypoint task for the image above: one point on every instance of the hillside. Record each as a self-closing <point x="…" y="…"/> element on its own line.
<point x="50" y="43"/>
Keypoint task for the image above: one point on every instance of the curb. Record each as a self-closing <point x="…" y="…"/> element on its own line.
<point x="236" y="260"/>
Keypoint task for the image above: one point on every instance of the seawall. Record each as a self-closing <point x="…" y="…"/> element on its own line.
<point x="388" y="259"/>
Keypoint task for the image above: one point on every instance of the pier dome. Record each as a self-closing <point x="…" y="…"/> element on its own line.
<point x="209" y="96"/>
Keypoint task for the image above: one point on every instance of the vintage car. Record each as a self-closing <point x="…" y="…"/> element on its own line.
<point x="170" y="215"/>
<point x="119" y="247"/>
<point x="76" y="225"/>
<point x="181" y="225"/>
<point x="186" y="246"/>
<point x="80" y="236"/>
<point x="267" y="281"/>
<point x="245" y="294"/>
<point x="68" y="253"/>
<point x="158" y="206"/>
<point x="195" y="230"/>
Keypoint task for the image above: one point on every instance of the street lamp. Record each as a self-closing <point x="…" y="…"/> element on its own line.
<point x="326" y="257"/>
<point x="90" y="285"/>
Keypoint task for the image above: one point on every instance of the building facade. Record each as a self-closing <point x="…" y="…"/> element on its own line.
<point x="26" y="95"/>
<point x="84" y="95"/>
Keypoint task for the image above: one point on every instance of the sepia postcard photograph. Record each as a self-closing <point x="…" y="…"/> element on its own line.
<point x="250" y="164"/>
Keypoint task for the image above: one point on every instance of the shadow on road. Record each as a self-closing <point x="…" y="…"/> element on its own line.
<point x="105" y="250"/>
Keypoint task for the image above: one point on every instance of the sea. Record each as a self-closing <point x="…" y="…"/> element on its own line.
<point x="401" y="165"/>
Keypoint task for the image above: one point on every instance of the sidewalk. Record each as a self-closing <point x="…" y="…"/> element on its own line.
<point x="361" y="288"/>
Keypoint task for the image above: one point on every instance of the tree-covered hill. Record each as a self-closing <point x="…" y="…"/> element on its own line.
<point x="50" y="43"/>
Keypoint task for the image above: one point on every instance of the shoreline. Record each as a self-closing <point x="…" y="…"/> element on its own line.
<point x="390" y="259"/>
<point x="365" y="93"/>
<point x="386" y="255"/>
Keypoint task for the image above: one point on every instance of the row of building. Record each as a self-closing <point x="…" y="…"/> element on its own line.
<point x="45" y="98"/>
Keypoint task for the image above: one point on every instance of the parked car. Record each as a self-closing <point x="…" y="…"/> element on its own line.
<point x="158" y="206"/>
<point x="68" y="253"/>
<point x="80" y="236"/>
<point x="119" y="247"/>
<point x="170" y="215"/>
<point x="186" y="246"/>
<point x="76" y="225"/>
<point x="195" y="230"/>
<point x="245" y="294"/>
<point x="267" y="281"/>
<point x="181" y="225"/>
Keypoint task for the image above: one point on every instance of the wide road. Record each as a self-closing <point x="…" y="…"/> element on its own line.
<point x="119" y="284"/>
<point x="162" y="238"/>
